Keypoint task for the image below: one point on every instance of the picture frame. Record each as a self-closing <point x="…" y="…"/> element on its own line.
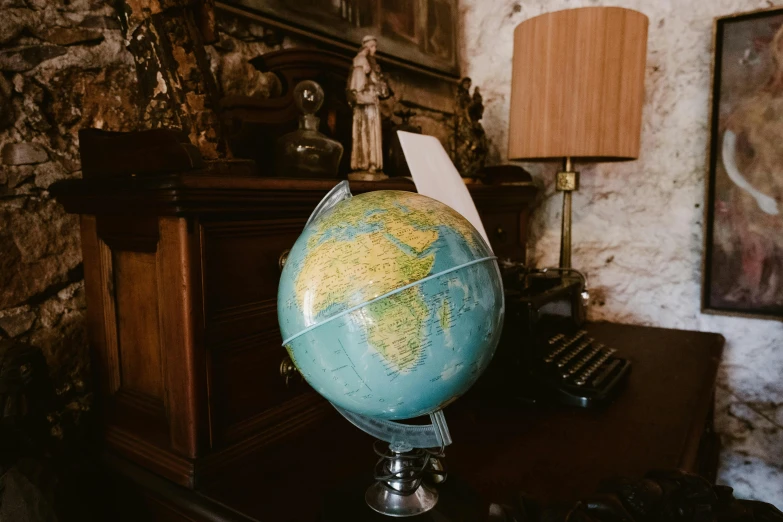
<point x="742" y="268"/>
<point x="415" y="34"/>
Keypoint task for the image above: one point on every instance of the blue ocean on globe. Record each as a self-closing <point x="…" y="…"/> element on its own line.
<point x="390" y="304"/>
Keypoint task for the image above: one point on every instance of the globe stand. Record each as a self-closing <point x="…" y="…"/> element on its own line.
<point x="406" y="473"/>
<point x="404" y="478"/>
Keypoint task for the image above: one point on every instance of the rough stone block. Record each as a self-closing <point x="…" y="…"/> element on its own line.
<point x="7" y="4"/>
<point x="105" y="99"/>
<point x="6" y="107"/>
<point x="47" y="173"/>
<point x="5" y="89"/>
<point x="22" y="498"/>
<point x="20" y="59"/>
<point x="40" y="246"/>
<point x="101" y="22"/>
<point x="16" y="321"/>
<point x="71" y="36"/>
<point x="18" y="82"/>
<point x="17" y="176"/>
<point x="61" y="332"/>
<point x="23" y="154"/>
<point x="12" y="23"/>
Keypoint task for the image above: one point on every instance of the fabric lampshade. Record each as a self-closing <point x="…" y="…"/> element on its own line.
<point x="578" y="85"/>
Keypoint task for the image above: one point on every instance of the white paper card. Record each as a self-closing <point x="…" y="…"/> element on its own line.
<point x="436" y="176"/>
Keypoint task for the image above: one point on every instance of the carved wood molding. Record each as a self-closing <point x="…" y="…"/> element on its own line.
<point x="183" y="194"/>
<point x="164" y="462"/>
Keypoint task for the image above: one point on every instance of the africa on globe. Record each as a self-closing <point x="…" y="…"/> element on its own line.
<point x="390" y="304"/>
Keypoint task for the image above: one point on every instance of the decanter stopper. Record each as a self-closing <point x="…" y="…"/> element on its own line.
<point x="308" y="97"/>
<point x="305" y="152"/>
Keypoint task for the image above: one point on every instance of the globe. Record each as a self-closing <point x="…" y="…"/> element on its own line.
<point x="390" y="304"/>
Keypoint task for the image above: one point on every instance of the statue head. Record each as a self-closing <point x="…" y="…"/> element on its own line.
<point x="370" y="43"/>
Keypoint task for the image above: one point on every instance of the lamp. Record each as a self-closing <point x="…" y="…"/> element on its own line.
<point x="577" y="88"/>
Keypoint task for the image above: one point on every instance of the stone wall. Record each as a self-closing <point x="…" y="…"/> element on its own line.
<point x="63" y="66"/>
<point x="638" y="225"/>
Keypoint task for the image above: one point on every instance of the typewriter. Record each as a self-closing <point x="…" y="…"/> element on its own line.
<point x="545" y="354"/>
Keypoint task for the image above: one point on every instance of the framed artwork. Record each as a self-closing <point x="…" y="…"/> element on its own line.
<point x="419" y="34"/>
<point x="743" y="260"/>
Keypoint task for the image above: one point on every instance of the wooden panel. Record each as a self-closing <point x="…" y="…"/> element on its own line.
<point x="106" y="280"/>
<point x="241" y="262"/>
<point x="183" y="356"/>
<point x="121" y="233"/>
<point x="101" y="327"/>
<point x="138" y="329"/>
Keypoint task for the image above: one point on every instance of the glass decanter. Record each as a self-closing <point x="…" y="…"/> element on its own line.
<point x="305" y="152"/>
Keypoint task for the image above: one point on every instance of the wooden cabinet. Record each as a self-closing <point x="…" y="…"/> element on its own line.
<point x="181" y="274"/>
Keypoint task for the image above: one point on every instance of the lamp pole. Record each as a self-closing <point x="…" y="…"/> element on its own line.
<point x="567" y="182"/>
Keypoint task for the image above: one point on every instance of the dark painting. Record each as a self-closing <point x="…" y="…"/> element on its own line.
<point x="417" y="33"/>
<point x="744" y="256"/>
<point x="440" y="32"/>
<point x="400" y="20"/>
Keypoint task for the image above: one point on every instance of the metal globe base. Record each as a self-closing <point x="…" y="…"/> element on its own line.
<point x="405" y="478"/>
<point x="393" y="504"/>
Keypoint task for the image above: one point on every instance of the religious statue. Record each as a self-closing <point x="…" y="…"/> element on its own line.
<point x="470" y="140"/>
<point x="366" y="87"/>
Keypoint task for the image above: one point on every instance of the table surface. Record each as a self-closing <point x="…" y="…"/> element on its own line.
<point x="501" y="449"/>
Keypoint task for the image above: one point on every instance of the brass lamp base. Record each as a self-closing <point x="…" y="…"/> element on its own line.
<point x="567" y="182"/>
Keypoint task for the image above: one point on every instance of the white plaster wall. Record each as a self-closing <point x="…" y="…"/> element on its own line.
<point x="638" y="225"/>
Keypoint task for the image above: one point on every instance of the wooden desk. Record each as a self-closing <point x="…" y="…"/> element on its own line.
<point x="662" y="420"/>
